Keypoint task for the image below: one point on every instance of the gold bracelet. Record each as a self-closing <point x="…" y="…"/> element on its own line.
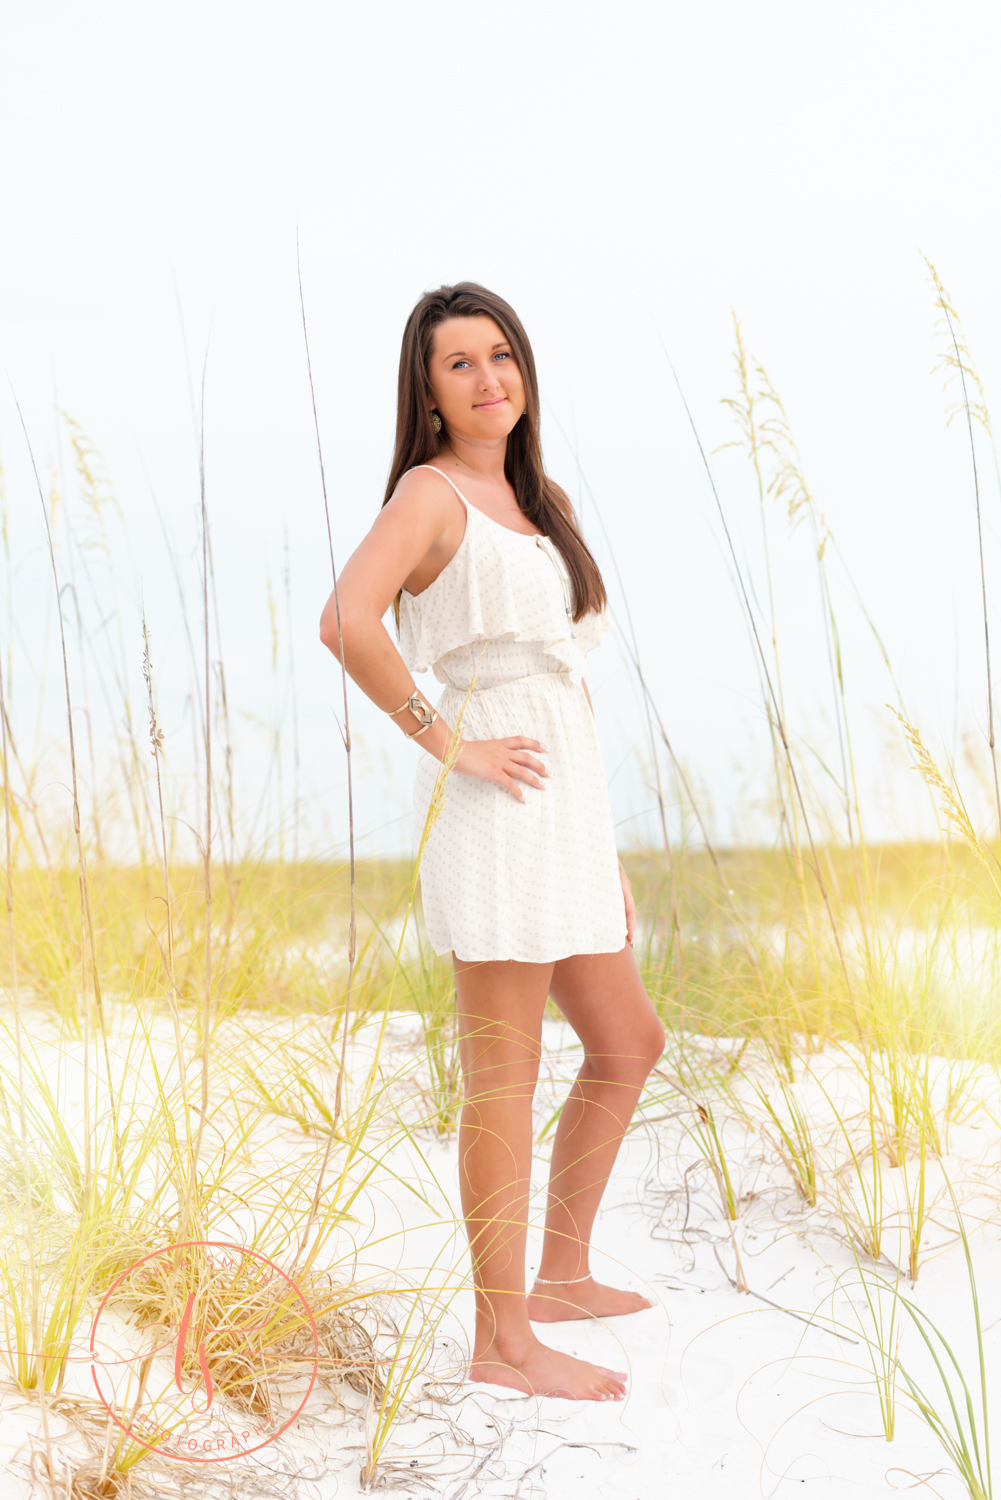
<point x="415" y="703"/>
<point x="421" y="710"/>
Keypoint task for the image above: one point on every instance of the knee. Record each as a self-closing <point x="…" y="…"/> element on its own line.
<point x="654" y="1039"/>
<point x="632" y="1065"/>
<point x="492" y="1088"/>
<point x="497" y="1073"/>
<point x="649" y="1048"/>
<point x="499" y="1048"/>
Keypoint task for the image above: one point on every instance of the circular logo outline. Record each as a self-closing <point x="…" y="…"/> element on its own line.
<point x="157" y="1255"/>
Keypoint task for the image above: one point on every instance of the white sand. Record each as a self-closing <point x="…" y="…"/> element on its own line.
<point x="728" y="1397"/>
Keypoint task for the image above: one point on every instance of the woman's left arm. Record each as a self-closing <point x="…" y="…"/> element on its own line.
<point x="627" y="890"/>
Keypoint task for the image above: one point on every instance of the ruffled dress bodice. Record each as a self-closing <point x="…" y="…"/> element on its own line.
<point x="501" y="588"/>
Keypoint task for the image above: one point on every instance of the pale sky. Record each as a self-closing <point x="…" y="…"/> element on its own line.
<point x="622" y="175"/>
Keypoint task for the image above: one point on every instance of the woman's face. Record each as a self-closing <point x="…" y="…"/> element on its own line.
<point x="476" y="385"/>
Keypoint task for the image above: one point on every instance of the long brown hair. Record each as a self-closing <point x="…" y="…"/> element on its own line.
<point x="542" y="501"/>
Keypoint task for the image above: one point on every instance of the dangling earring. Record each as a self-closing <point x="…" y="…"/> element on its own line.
<point x="436" y="421"/>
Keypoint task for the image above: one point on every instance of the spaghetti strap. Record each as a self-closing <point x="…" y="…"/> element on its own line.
<point x="446" y="478"/>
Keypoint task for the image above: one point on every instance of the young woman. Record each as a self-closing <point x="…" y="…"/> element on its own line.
<point x="495" y="588"/>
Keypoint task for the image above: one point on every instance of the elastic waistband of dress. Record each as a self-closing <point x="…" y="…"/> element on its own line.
<point x="498" y="687"/>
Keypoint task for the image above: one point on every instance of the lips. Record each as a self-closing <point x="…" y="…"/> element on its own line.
<point x="487" y="405"/>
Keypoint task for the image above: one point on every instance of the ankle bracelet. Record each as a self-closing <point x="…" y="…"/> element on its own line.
<point x="545" y="1281"/>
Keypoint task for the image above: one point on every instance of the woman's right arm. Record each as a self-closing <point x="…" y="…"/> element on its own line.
<point x="421" y="525"/>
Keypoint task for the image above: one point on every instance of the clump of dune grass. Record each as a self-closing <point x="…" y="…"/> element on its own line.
<point x="253" y="1336"/>
<point x="946" y="1390"/>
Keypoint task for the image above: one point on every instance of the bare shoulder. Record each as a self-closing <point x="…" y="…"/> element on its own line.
<point x="423" y="512"/>
<point x="426" y="491"/>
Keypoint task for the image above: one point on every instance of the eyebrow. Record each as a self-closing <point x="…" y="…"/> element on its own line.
<point x="457" y="353"/>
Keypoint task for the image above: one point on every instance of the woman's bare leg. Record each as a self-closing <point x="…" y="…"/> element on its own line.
<point x="499" y="1007"/>
<point x="603" y="998"/>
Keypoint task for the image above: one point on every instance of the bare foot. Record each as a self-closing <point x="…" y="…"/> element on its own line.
<point x="539" y="1371"/>
<point x="586" y="1299"/>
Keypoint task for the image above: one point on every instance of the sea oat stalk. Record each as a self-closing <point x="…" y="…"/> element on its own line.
<point x="346" y="727"/>
<point x="958" y="358"/>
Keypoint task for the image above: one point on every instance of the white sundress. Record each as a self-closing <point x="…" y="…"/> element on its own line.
<point x="500" y="879"/>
